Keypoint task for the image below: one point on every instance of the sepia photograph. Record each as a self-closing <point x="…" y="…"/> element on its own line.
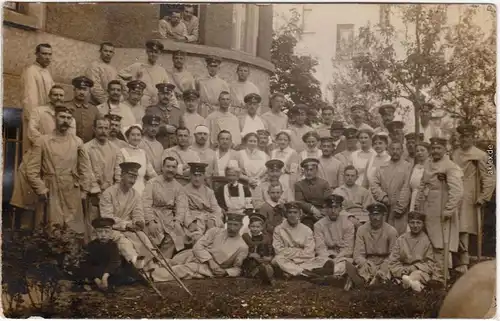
<point x="228" y="160"/>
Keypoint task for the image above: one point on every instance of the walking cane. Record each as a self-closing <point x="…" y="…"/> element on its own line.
<point x="163" y="261"/>
<point x="446" y="233"/>
<point x="148" y="279"/>
<point x="479" y="214"/>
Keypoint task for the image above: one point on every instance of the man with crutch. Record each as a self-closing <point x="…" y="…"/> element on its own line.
<point x="479" y="184"/>
<point x="439" y="196"/>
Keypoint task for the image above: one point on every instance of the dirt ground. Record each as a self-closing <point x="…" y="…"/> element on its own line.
<point x="246" y="298"/>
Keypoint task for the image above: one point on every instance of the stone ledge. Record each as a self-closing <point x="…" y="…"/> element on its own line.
<point x="20" y="20"/>
<point x="202" y="50"/>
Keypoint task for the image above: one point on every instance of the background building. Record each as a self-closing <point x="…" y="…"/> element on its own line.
<point x="235" y="32"/>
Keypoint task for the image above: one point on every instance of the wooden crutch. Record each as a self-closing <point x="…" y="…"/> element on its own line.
<point x="446" y="233"/>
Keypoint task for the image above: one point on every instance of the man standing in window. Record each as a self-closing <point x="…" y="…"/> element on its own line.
<point x="101" y="73"/>
<point x="241" y="88"/>
<point x="37" y="82"/>
<point x="192" y="23"/>
<point x="172" y="27"/>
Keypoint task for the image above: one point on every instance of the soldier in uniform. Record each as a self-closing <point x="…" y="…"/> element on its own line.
<point x="274" y="176"/>
<point x="153" y="148"/>
<point x="115" y="133"/>
<point x="479" y="184"/>
<point x="298" y="128"/>
<point x="439" y="196"/>
<point x="250" y="122"/>
<point x="169" y="113"/>
<point x="116" y="106"/>
<point x="83" y="113"/>
<point x="190" y="117"/>
<point x="181" y="78"/>
<point x="133" y="101"/>
<point x="311" y="192"/>
<point x="222" y="119"/>
<point x="427" y="127"/>
<point x="210" y="87"/>
<point x="411" y="141"/>
<point x="330" y="168"/>
<point x="183" y="153"/>
<point x="351" y="140"/>
<point x="275" y="119"/>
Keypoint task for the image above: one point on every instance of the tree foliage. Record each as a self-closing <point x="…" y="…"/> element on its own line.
<point x="294" y="73"/>
<point x="450" y="66"/>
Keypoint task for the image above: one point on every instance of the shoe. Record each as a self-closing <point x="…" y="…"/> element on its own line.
<point x="406" y="282"/>
<point x="435" y="284"/>
<point x="348" y="284"/>
<point x="353" y="274"/>
<point x="266" y="273"/>
<point x="139" y="263"/>
<point x="416" y="286"/>
<point x="309" y="274"/>
<point x="328" y="268"/>
<point x="462" y="269"/>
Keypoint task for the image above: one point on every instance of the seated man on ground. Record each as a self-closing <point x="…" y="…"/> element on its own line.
<point x="218" y="253"/>
<point x="102" y="261"/>
<point x="123" y="204"/>
<point x="372" y="247"/>
<point x="234" y="197"/>
<point x="204" y="212"/>
<point x="261" y="252"/>
<point x="412" y="258"/>
<point x="293" y="243"/>
<point x="165" y="208"/>
<point x="334" y="236"/>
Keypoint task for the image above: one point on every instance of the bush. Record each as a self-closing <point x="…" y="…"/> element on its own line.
<point x="34" y="265"/>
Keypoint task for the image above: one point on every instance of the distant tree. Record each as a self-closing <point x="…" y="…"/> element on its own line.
<point x="294" y="73"/>
<point x="463" y="85"/>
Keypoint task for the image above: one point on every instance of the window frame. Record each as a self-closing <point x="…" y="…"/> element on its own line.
<point x="339" y="27"/>
<point x="29" y="16"/>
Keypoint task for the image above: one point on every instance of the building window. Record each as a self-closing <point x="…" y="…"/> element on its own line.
<point x="246" y="28"/>
<point x="24" y="15"/>
<point x="306" y="19"/>
<point x="165" y="9"/>
<point x="345" y="41"/>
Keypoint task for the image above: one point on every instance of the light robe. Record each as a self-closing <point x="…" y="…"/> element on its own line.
<point x="169" y="31"/>
<point x="122" y="109"/>
<point x="126" y="208"/>
<point x="359" y="159"/>
<point x="238" y="91"/>
<point x="275" y="122"/>
<point x="207" y="156"/>
<point x="431" y="195"/>
<point x="356" y="199"/>
<point x="192" y="27"/>
<point x="59" y="165"/>
<point x="183" y="80"/>
<point x="373" y="165"/>
<point x="415" y="178"/>
<point x="296" y="137"/>
<point x="84" y="116"/>
<point x="183" y="157"/>
<point x="137" y="110"/>
<point x="37" y="82"/>
<point x="291" y="160"/>
<point x="372" y="249"/>
<point x="228" y="252"/>
<point x="165" y="202"/>
<point x="474" y="162"/>
<point x="154" y="150"/>
<point x="151" y="75"/>
<point x="105" y="160"/>
<point x="335" y="238"/>
<point x="218" y="121"/>
<point x="331" y="170"/>
<point x="138" y="155"/>
<point x="118" y="142"/>
<point x="42" y="122"/>
<point x="101" y="74"/>
<point x="190" y="121"/>
<point x="219" y="163"/>
<point x="210" y="89"/>
<point x="261" y="193"/>
<point x="203" y="207"/>
<point x="345" y="157"/>
<point x="249" y="124"/>
<point x="294" y="248"/>
<point x="393" y="180"/>
<point x="413" y="255"/>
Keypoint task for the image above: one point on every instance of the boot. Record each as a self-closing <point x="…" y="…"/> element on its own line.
<point x="353" y="274"/>
<point x="267" y="274"/>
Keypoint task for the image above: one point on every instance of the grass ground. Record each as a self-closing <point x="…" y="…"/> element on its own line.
<point x="246" y="298"/>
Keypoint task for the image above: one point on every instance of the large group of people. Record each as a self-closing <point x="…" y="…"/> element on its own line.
<point x="143" y="159"/>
